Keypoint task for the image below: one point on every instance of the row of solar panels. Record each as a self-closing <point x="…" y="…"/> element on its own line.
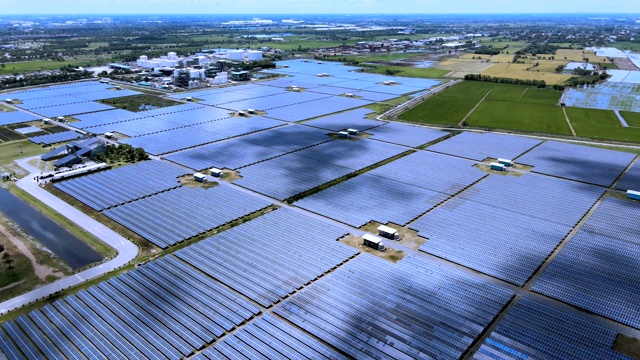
<point x="477" y="228"/>
<point x="597" y="269"/>
<point x="164" y="310"/>
<point x="267" y="263"/>
<point x="55" y="137"/>
<point x="118" y="186"/>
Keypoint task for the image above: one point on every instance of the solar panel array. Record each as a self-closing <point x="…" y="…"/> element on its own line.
<point x="176" y="215"/>
<point x="306" y="169"/>
<point x="270" y="257"/>
<point x="281" y="100"/>
<point x="534" y="330"/>
<point x="598" y="269"/>
<point x="397" y="192"/>
<point x="187" y="137"/>
<point x="371" y="308"/>
<point x="405" y="134"/>
<point x="316" y="108"/>
<point x="78" y="89"/>
<point x="251" y="149"/>
<point x="353" y="119"/>
<point x="55" y="137"/>
<point x="118" y="186"/>
<point x="481" y="146"/>
<point x="15" y="117"/>
<point x="630" y="180"/>
<point x="576" y="162"/>
<point x="269" y="337"/>
<point x="72" y="109"/>
<point x="162" y="310"/>
<point x="506" y="226"/>
<point x="104" y="117"/>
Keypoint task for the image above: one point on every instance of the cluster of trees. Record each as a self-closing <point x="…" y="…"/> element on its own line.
<point x="501" y="80"/>
<point x="265" y="64"/>
<point x="40" y="79"/>
<point x="589" y="79"/>
<point x="487" y="50"/>
<point x="122" y="153"/>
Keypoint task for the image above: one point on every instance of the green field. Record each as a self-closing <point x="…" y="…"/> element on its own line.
<point x="632" y="118"/>
<point x="601" y="124"/>
<point x="450" y="106"/>
<point x="31" y="66"/>
<point x="410" y="71"/>
<point x="626" y="46"/>
<point x="522" y="116"/>
<point x="140" y="102"/>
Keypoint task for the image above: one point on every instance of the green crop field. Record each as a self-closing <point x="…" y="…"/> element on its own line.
<point x="632" y="118"/>
<point x="450" y="106"/>
<point x="31" y="66"/>
<point x="522" y="116"/>
<point x="601" y="124"/>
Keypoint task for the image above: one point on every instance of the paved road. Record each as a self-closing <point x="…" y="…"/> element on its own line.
<point x="127" y="250"/>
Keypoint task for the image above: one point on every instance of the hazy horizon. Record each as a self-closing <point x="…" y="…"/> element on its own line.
<point x="308" y="7"/>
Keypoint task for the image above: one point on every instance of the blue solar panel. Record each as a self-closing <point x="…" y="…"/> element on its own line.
<point x="118" y="186"/>
<point x="477" y="228"/>
<point x="276" y="339"/>
<point x="187" y="137"/>
<point x="397" y="192"/>
<point x="597" y="270"/>
<point x="297" y="172"/>
<point x="105" y="117"/>
<point x="402" y="134"/>
<point x="55" y="137"/>
<point x="247" y="150"/>
<point x="283" y="263"/>
<point x="535" y="330"/>
<point x="481" y="146"/>
<point x="371" y="308"/>
<point x="631" y="179"/>
<point x="353" y="119"/>
<point x="15" y="117"/>
<point x="316" y="108"/>
<point x="72" y="109"/>
<point x="576" y="162"/>
<point x="173" y="216"/>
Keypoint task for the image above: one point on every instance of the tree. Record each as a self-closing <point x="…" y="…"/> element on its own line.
<point x="7" y="259"/>
<point x="2" y="66"/>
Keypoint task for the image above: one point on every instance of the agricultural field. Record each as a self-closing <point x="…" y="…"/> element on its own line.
<point x="575" y="55"/>
<point x="632" y="118"/>
<point x="601" y="124"/>
<point x="31" y="66"/>
<point x="458" y="68"/>
<point x="450" y="106"/>
<point x="537" y="110"/>
<point x="519" y="71"/>
<point x="409" y="71"/>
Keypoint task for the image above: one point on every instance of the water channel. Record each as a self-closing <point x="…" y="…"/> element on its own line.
<point x="54" y="237"/>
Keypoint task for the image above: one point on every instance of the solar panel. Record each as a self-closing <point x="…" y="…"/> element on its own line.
<point x="118" y="186"/>
<point x="370" y="307"/>
<point x="312" y="109"/>
<point x="402" y="134"/>
<point x="477" y="228"/>
<point x="173" y="216"/>
<point x="15" y="117"/>
<point x="595" y="271"/>
<point x="55" y="137"/>
<point x="631" y="179"/>
<point x="536" y="330"/>
<point x="577" y="162"/>
<point x="283" y="264"/>
<point x="478" y="146"/>
<point x="352" y="119"/>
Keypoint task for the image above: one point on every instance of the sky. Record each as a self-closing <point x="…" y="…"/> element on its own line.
<point x="315" y="6"/>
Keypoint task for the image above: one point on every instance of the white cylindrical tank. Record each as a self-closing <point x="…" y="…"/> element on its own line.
<point x="144" y="57"/>
<point x="254" y="55"/>
<point x="237" y="55"/>
<point x="172" y="55"/>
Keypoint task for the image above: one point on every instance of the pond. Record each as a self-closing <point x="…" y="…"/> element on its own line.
<point x="423" y="64"/>
<point x="54" y="237"/>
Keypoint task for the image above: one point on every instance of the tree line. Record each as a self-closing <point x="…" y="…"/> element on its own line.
<point x="502" y="80"/>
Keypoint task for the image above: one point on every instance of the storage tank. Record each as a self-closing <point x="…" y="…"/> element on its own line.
<point x="172" y="55"/>
<point x="237" y="55"/>
<point x="144" y="57"/>
<point x="254" y="55"/>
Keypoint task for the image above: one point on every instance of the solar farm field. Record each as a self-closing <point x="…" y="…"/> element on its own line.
<point x="601" y="124"/>
<point x="535" y="262"/>
<point x="450" y="106"/>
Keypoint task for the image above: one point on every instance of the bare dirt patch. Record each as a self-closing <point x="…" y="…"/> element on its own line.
<point x="389" y="254"/>
<point x="409" y="238"/>
<point x="627" y="345"/>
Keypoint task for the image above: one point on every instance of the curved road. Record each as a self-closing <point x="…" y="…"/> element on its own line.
<point x="127" y="250"/>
